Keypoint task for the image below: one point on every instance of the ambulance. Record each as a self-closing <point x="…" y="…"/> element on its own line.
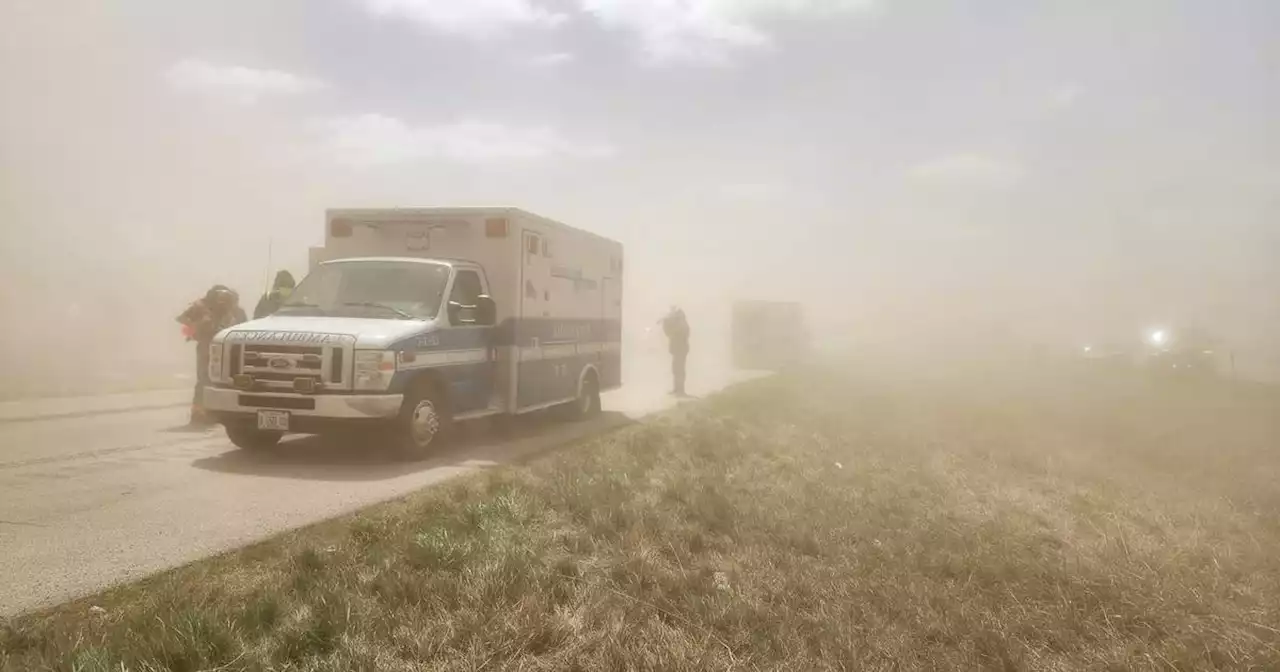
<point x="414" y="319"/>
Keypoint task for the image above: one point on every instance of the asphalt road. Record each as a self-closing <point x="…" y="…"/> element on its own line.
<point x="86" y="503"/>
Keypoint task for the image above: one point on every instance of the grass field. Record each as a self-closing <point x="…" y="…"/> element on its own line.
<point x="806" y="522"/>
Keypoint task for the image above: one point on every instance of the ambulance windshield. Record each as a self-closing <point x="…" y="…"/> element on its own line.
<point x="373" y="288"/>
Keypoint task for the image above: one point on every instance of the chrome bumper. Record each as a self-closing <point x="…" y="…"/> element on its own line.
<point x="353" y="406"/>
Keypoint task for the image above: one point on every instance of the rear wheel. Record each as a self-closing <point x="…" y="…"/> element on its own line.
<point x="588" y="402"/>
<point x="424" y="423"/>
<point x="248" y="437"/>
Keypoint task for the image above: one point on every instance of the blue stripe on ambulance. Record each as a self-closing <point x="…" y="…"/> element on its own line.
<point x="470" y="384"/>
<point x="549" y="373"/>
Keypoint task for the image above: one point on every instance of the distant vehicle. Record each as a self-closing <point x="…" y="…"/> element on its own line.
<point x="1181" y="353"/>
<point x="1183" y="363"/>
<point x="412" y="319"/>
<point x="1163" y="353"/>
<point x="768" y="335"/>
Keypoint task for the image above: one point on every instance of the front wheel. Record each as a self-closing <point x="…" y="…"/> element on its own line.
<point x="248" y="437"/>
<point x="423" y="425"/>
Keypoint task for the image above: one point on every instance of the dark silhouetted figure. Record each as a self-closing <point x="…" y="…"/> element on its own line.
<point x="676" y="327"/>
<point x="201" y="321"/>
<point x="280" y="291"/>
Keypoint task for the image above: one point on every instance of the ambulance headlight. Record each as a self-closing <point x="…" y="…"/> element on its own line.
<point x="215" y="362"/>
<point x="374" y="369"/>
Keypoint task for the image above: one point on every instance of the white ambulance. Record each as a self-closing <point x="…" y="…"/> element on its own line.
<point x="413" y="319"/>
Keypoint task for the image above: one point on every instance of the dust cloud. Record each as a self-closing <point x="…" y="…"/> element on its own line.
<point x="1016" y="184"/>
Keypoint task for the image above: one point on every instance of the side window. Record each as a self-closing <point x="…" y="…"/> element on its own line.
<point x="466" y="288"/>
<point x="531" y="247"/>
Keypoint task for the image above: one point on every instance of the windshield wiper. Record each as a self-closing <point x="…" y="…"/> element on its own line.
<point x="372" y="304"/>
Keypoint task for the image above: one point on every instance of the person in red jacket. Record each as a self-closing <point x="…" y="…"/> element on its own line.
<point x="201" y="321"/>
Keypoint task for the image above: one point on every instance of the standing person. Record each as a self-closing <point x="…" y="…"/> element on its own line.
<point x="676" y="327"/>
<point x="201" y="321"/>
<point x="280" y="290"/>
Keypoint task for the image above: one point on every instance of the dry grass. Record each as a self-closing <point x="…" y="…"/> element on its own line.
<point x="801" y="523"/>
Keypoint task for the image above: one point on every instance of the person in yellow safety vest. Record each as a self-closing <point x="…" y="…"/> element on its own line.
<point x="280" y="290"/>
<point x="201" y="321"/>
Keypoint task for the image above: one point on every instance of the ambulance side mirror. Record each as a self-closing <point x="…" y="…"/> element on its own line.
<point x="486" y="311"/>
<point x="483" y="314"/>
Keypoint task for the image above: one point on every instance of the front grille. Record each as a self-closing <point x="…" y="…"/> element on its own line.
<point x="285" y="349"/>
<point x="335" y="366"/>
<point x="263" y="359"/>
<point x="286" y="403"/>
<point x="282" y="377"/>
<point x="275" y="367"/>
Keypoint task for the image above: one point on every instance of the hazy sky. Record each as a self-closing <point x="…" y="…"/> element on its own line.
<point x="1033" y="167"/>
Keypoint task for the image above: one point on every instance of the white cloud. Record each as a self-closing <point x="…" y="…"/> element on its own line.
<point x="470" y="18"/>
<point x="552" y="60"/>
<point x="236" y="84"/>
<point x="374" y="139"/>
<point x="753" y="191"/>
<point x="968" y="171"/>
<point x="707" y="31"/>
<point x="1065" y="95"/>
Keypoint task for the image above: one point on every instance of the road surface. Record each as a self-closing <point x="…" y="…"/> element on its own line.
<point x="89" y="502"/>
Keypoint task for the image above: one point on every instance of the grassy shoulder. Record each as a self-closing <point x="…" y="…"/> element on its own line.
<point x="804" y="522"/>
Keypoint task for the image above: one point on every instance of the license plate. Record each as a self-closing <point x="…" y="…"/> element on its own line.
<point x="276" y="421"/>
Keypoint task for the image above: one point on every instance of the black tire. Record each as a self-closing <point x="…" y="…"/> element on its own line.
<point x="248" y="437"/>
<point x="424" y="425"/>
<point x="588" y="402"/>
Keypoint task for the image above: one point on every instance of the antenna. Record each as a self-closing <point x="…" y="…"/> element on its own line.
<point x="266" y="274"/>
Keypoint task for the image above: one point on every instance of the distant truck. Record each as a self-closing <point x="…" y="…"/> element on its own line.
<point x="1187" y="353"/>
<point x="413" y="319"/>
<point x="768" y="335"/>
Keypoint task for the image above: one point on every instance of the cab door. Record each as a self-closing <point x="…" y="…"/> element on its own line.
<point x="472" y="367"/>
